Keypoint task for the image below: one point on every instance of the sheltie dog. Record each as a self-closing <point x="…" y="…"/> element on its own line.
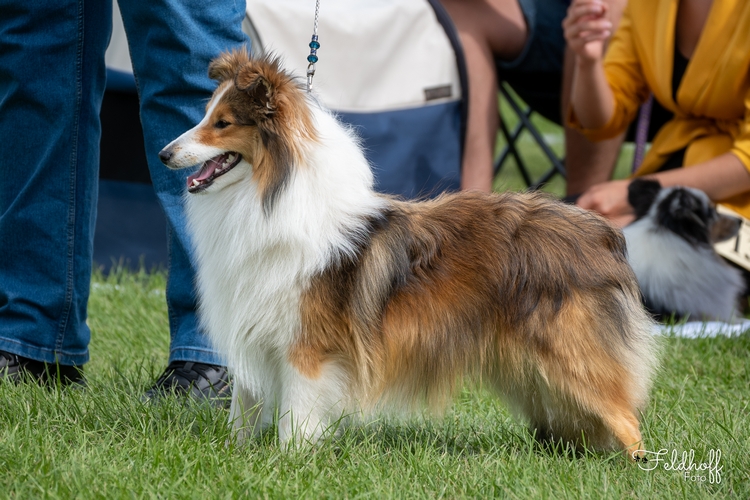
<point x="670" y="247"/>
<point x="330" y="300"/>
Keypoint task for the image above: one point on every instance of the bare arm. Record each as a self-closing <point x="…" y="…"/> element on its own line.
<point x="586" y="30"/>
<point x="587" y="162"/>
<point x="592" y="99"/>
<point x="720" y="178"/>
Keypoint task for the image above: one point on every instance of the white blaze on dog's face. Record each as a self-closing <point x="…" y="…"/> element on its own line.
<point x="685" y="211"/>
<point x="251" y="130"/>
<point x="215" y="144"/>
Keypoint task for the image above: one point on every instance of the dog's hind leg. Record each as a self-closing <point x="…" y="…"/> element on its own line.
<point x="595" y="401"/>
<point x="625" y="428"/>
<point x="576" y="414"/>
<point x="598" y="369"/>
<point x="245" y="414"/>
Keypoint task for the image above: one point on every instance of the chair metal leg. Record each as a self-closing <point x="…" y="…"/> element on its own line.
<point x="524" y="123"/>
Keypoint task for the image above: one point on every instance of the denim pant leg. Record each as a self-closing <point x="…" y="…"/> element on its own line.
<point x="171" y="44"/>
<point x="52" y="77"/>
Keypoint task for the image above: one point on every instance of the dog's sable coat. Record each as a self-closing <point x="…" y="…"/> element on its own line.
<point x="329" y="299"/>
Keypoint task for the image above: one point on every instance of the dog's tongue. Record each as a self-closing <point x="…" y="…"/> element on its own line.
<point x="207" y="169"/>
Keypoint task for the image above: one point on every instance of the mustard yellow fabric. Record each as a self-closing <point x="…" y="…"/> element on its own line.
<point x="712" y="110"/>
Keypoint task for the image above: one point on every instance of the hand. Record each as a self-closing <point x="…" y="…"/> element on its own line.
<point x="586" y="28"/>
<point x="610" y="199"/>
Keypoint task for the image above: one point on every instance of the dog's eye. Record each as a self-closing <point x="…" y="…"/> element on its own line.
<point x="222" y="124"/>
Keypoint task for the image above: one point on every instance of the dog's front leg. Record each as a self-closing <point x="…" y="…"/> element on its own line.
<point x="311" y="406"/>
<point x="245" y="414"/>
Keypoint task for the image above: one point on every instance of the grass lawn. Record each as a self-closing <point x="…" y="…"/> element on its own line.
<point x="103" y="442"/>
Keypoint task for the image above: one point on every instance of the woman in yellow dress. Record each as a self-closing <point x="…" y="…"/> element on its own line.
<point x="694" y="57"/>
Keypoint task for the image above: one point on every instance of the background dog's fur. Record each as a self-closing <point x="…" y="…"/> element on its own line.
<point x="329" y="299"/>
<point x="670" y="247"/>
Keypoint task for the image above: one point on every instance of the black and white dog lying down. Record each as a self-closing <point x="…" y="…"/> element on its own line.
<point x="670" y="250"/>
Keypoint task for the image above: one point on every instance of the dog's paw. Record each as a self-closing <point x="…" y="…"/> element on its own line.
<point x="638" y="456"/>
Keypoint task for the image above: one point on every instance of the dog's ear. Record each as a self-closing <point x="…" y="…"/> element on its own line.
<point x="641" y="195"/>
<point x="263" y="84"/>
<point x="260" y="90"/>
<point x="228" y="64"/>
<point x="724" y="228"/>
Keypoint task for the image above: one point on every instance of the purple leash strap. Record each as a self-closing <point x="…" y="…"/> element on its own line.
<point x="641" y="132"/>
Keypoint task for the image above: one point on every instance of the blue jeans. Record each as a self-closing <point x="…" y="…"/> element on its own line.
<point x="52" y="79"/>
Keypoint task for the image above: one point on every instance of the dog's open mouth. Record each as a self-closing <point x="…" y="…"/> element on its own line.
<point x="211" y="169"/>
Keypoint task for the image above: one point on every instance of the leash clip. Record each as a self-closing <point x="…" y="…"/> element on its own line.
<point x="310" y="74"/>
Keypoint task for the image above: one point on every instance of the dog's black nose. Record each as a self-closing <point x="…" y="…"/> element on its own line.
<point x="165" y="156"/>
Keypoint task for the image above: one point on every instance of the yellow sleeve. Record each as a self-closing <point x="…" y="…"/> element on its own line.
<point x="741" y="146"/>
<point x="625" y="77"/>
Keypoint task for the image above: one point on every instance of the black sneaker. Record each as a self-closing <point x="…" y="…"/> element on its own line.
<point x="199" y="380"/>
<point x="14" y="368"/>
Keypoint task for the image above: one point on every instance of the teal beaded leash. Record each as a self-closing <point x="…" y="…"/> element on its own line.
<point x="314" y="46"/>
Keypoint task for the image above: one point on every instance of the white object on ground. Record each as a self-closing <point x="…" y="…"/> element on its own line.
<point x="704" y="329"/>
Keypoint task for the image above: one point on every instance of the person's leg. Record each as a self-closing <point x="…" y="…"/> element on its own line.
<point x="171" y="44"/>
<point x="588" y="163"/>
<point x="52" y="77"/>
<point x="488" y="29"/>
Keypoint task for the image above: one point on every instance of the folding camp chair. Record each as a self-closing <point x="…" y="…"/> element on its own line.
<point x="523" y="113"/>
<point x="640" y="132"/>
